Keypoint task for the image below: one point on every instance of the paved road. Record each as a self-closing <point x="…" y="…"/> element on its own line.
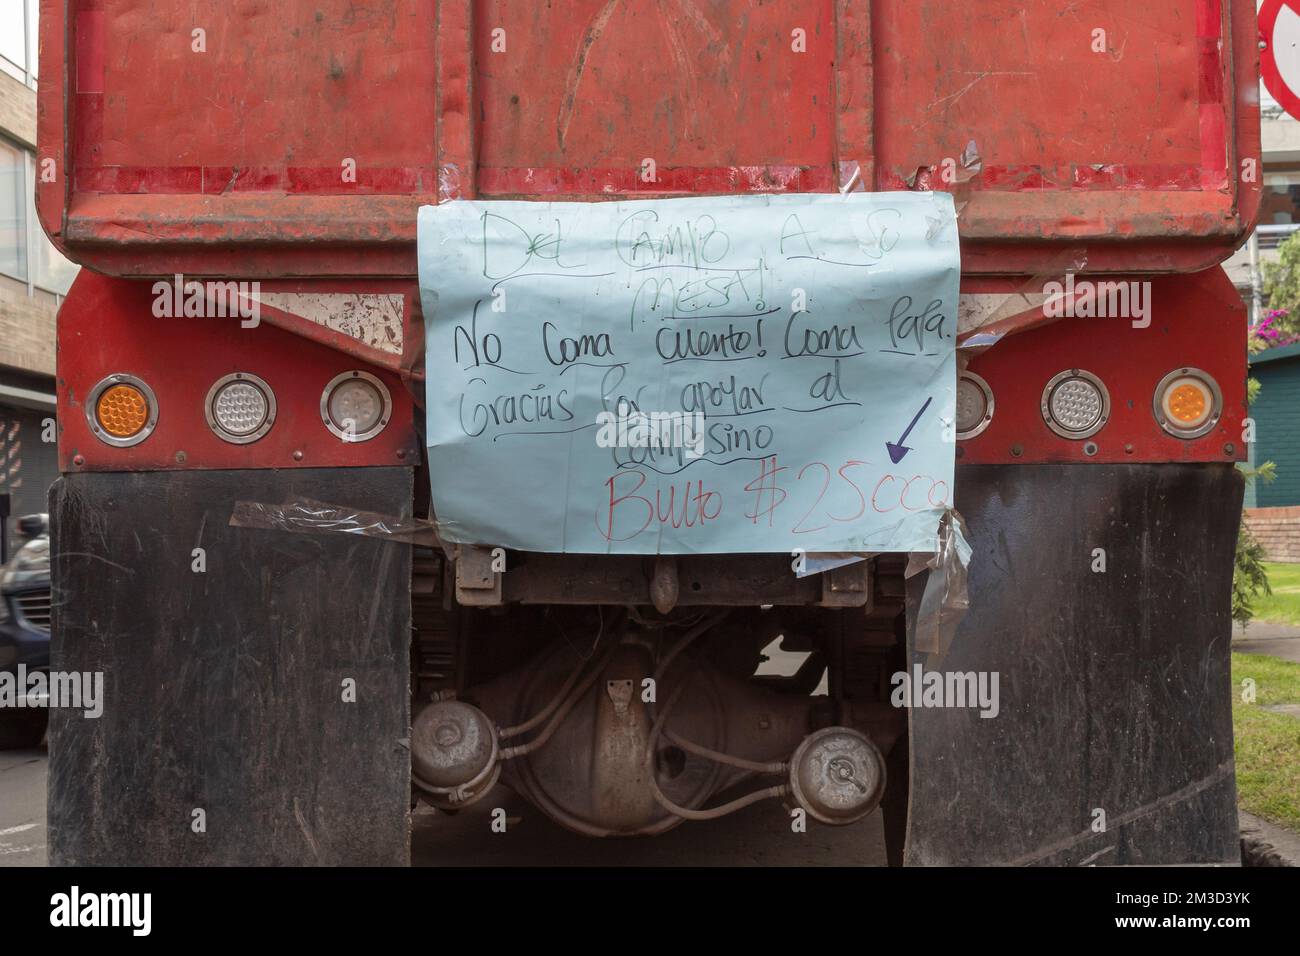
<point x="757" y="836"/>
<point x="1276" y="640"/>
<point x="22" y="807"/>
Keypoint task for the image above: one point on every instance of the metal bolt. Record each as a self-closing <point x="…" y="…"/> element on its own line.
<point x="297" y="456"/>
<point x="78" y="460"/>
<point x="1229" y="449"/>
<point x="1016" y="451"/>
<point x="180" y="458"/>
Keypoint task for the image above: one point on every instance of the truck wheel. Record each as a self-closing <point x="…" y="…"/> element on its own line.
<point x="22" y="731"/>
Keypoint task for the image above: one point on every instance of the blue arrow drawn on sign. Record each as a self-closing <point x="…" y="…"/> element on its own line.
<point x="897" y="450"/>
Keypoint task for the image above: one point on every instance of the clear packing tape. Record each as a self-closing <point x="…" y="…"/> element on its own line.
<point x="953" y="175"/>
<point x="946" y="598"/>
<point x="306" y="516"/>
<point x="817" y="562"/>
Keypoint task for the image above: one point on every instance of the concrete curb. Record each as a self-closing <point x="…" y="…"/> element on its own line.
<point x="1266" y="844"/>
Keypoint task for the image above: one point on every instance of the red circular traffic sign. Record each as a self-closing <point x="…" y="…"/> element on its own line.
<point x="1279" y="56"/>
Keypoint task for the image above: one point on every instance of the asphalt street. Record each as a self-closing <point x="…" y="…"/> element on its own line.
<point x="1275" y="640"/>
<point x="22" y="807"/>
<point x="756" y="836"/>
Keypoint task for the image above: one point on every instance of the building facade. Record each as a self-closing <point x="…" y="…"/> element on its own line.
<point x="1273" y="508"/>
<point x="34" y="277"/>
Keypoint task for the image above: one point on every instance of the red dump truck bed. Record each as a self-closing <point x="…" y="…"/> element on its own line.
<point x="1129" y="129"/>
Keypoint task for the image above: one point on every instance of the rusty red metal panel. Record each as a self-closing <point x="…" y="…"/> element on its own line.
<point x="107" y="325"/>
<point x="457" y="168"/>
<point x="1196" y="321"/>
<point x="715" y="96"/>
<point x="1145" y="115"/>
<point x="227" y="162"/>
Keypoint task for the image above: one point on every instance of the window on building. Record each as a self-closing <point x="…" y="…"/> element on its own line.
<point x="51" y="271"/>
<point x="13" y="210"/>
<point x="1280" y="202"/>
<point x="18" y="39"/>
<point x="25" y="252"/>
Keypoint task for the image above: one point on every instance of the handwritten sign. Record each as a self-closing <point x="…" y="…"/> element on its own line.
<point x="701" y="375"/>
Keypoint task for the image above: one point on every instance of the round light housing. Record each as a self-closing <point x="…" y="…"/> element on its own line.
<point x="240" y="408"/>
<point x="355" y="406"/>
<point x="974" y="405"/>
<point x="121" y="410"/>
<point x="1075" y="404"/>
<point x="1188" y="403"/>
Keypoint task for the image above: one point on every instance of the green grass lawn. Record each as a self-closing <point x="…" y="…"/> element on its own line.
<point x="1283" y="605"/>
<point x="1267" y="743"/>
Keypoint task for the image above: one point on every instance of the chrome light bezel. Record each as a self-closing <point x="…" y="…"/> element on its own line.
<point x="215" y="426"/>
<point x="344" y="434"/>
<point x="1046" y="406"/>
<point x="92" y="403"/>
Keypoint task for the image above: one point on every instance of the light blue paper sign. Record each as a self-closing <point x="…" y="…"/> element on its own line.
<point x="703" y="375"/>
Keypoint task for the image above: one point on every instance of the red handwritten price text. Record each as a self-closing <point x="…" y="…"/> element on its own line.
<point x="839" y="497"/>
<point x="679" y="507"/>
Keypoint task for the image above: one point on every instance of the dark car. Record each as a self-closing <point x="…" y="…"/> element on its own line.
<point x="25" y="631"/>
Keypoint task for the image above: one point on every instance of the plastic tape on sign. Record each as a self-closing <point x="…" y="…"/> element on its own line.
<point x="946" y="597"/>
<point x="306" y="516"/>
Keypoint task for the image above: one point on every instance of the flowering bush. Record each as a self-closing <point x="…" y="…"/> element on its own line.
<point x="1273" y="330"/>
<point x="1281" y="324"/>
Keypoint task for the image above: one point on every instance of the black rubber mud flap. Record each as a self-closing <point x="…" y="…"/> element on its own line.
<point x="1112" y="744"/>
<point x="228" y="733"/>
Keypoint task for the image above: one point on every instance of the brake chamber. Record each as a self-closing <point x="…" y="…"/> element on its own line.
<point x="637" y="734"/>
